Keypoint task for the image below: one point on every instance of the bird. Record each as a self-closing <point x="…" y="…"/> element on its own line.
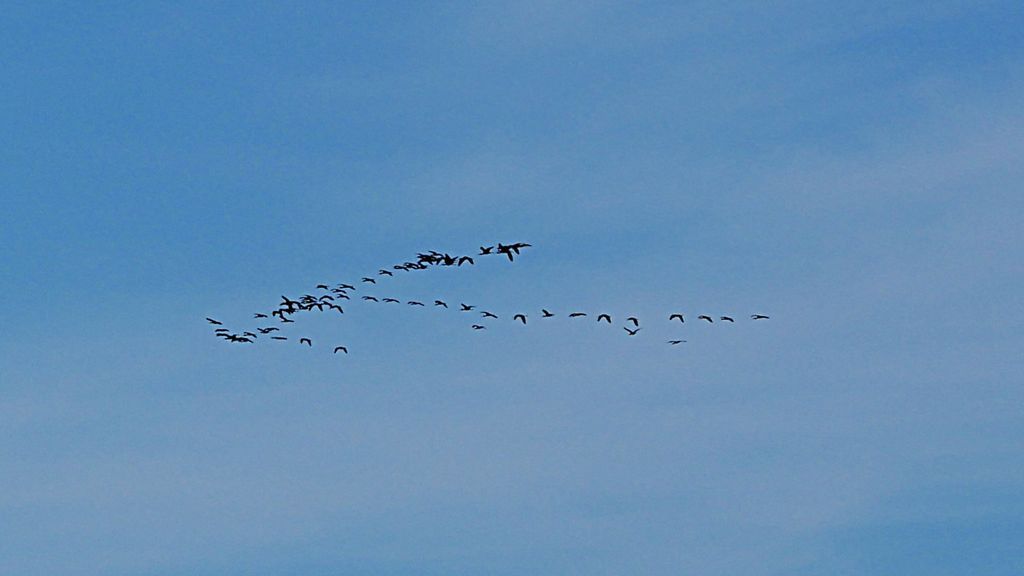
<point x="703" y="317"/>
<point x="384" y="272"/>
<point x="306" y="341"/>
<point x="268" y="330"/>
<point x="726" y="319"/>
<point x="249" y="334"/>
<point x="346" y="287"/>
<point x="258" y="315"/>
<point x="215" y="322"/>
<point x="479" y="327"/>
<point x="487" y="314"/>
<point x="546" y="313"/>
<point x="606" y="317"/>
<point x="577" y="314"/>
<point x="414" y="303"/>
<point x="484" y="251"/>
<point x="322" y="287"/>
<point x="342" y="348"/>
<point x="465" y="259"/>
<point x="466" y="307"/>
<point x="674" y="342"/>
<point x="633" y="320"/>
<point x="674" y="316"/>
<point x="391" y="300"/>
<point x="370" y="298"/>
<point x="440" y="303"/>
<point x="370" y="280"/>
<point x="278" y="337"/>
<point x="286" y="320"/>
<point x="221" y="330"/>
<point x="632" y="332"/>
<point x="758" y="317"/>
<point x="521" y="318"/>
<point x="336" y="307"/>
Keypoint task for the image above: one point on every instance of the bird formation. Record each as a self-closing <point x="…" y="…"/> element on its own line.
<point x="330" y="296"/>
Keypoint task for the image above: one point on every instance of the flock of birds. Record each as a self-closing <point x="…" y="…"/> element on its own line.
<point x="330" y="297"/>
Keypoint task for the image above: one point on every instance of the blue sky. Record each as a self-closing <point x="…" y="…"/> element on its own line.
<point x="852" y="170"/>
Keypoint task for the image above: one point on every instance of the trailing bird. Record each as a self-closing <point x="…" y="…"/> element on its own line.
<point x="440" y="303"/>
<point x="479" y="327"/>
<point x="466" y="307"/>
<point x="703" y="317"/>
<point x="306" y="341"/>
<point x="465" y="259"/>
<point x="322" y="287"/>
<point x="278" y="338"/>
<point x="336" y="307"/>
<point x="674" y="342"/>
<point x="414" y="303"/>
<point x="370" y="298"/>
<point x="370" y="280"/>
<point x="258" y="315"/>
<point x="577" y="314"/>
<point x="632" y="332"/>
<point x="521" y="318"/>
<point x="346" y="287"/>
<point x="268" y="330"/>
<point x="396" y="301"/>
<point x="249" y="334"/>
<point x="215" y="322"/>
<point x="726" y="319"/>
<point x="546" y="313"/>
<point x="487" y="314"/>
<point x="674" y="316"/>
<point x="384" y="272"/>
<point x="758" y="317"/>
<point x="606" y="317"/>
<point x="342" y="348"/>
<point x="485" y="251"/>
<point x="219" y="330"/>
<point x="633" y="320"/>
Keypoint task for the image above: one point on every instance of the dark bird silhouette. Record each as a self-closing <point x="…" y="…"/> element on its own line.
<point x="703" y="317"/>
<point x="726" y="319"/>
<point x="521" y="318"/>
<point x="370" y="280"/>
<point x="279" y="338"/>
<point x="336" y="307"/>
<point x="344" y="296"/>
<point x="479" y="327"/>
<point x="306" y="341"/>
<point x="606" y="317"/>
<point x="346" y="287"/>
<point x="633" y="320"/>
<point x="326" y="297"/>
<point x="674" y="316"/>
<point x="285" y="320"/>
<point x="577" y="314"/>
<point x="268" y="330"/>
<point x="466" y="307"/>
<point x="258" y="315"/>
<point x="674" y="342"/>
<point x="249" y="334"/>
<point x="484" y="251"/>
<point x="758" y="317"/>
<point x="487" y="314"/>
<point x="391" y="300"/>
<point x="440" y="303"/>
<point x="322" y="287"/>
<point x="342" y="348"/>
<point x="215" y="322"/>
<point x="370" y="298"/>
<point x="414" y="303"/>
<point x="546" y="313"/>
<point x="221" y="330"/>
<point x="384" y="272"/>
<point x="632" y="332"/>
<point x="465" y="259"/>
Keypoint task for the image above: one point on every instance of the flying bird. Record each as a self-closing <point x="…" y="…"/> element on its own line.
<point x="546" y="313"/>
<point x="465" y="259"/>
<point x="440" y="303"/>
<point x="726" y="319"/>
<point x="674" y="316"/>
<point x="268" y="330"/>
<point x="484" y="251"/>
<point x="466" y="308"/>
<point x="306" y="341"/>
<point x="703" y="317"/>
<point x="674" y="342"/>
<point x="370" y="298"/>
<point x="479" y="327"/>
<point x="758" y="317"/>
<point x="606" y="317"/>
<point x="577" y="314"/>
<point x="215" y="322"/>
<point x="521" y="318"/>
<point x="278" y="338"/>
<point x="370" y="280"/>
<point x="487" y="314"/>
<point x="391" y="300"/>
<point x="346" y="287"/>
<point x="258" y="315"/>
<point x="633" y="320"/>
<point x="342" y="348"/>
<point x="383" y="272"/>
<point x="414" y="303"/>
<point x="632" y="332"/>
<point x="322" y="287"/>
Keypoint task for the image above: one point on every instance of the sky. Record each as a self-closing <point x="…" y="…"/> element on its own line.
<point x="850" y="169"/>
